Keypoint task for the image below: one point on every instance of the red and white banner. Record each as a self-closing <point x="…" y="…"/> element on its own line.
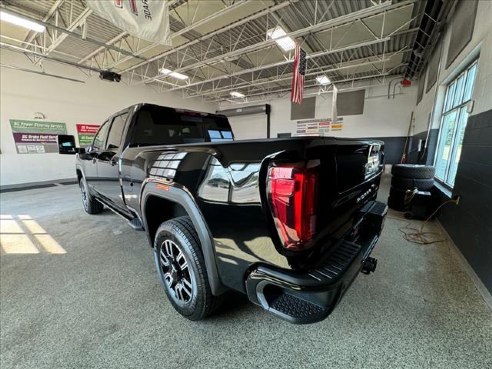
<point x="145" y="19"/>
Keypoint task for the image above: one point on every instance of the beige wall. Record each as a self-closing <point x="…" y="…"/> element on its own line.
<point x="382" y="117"/>
<point x="481" y="44"/>
<point x="23" y="94"/>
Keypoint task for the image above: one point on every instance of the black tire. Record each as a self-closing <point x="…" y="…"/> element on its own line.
<point x="410" y="183"/>
<point x="187" y="287"/>
<point x="91" y="205"/>
<point x="413" y="171"/>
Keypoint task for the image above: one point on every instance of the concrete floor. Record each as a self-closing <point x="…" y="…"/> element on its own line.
<point x="94" y="301"/>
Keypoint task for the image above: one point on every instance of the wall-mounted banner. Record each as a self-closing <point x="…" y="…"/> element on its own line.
<point x="86" y="133"/>
<point x="318" y="127"/>
<point x="36" y="137"/>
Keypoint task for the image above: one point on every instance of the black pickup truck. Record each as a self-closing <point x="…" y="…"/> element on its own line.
<point x="288" y="222"/>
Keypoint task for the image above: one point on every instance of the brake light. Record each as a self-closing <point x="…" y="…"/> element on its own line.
<point x="292" y="192"/>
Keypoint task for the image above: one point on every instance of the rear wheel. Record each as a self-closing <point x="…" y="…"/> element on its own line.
<point x="91" y="205"/>
<point x="181" y="268"/>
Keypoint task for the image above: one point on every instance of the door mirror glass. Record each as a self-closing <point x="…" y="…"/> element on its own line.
<point x="66" y="145"/>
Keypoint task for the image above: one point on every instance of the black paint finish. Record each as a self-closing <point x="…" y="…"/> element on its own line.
<point x="222" y="187"/>
<point x="470" y="223"/>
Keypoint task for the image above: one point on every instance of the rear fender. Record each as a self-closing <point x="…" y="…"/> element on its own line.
<point x="180" y="195"/>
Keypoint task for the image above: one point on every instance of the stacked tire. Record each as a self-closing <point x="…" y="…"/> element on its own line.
<point x="406" y="181"/>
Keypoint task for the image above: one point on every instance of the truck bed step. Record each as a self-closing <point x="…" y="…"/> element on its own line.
<point x="295" y="309"/>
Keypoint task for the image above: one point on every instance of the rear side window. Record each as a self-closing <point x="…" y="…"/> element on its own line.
<point x="115" y="136"/>
<point x="157" y="125"/>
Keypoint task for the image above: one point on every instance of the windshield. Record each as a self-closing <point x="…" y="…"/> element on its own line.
<point x="156" y="125"/>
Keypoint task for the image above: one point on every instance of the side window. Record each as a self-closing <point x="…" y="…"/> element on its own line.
<point x="100" y="138"/>
<point x="115" y="136"/>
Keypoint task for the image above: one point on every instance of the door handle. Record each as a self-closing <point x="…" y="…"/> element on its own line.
<point x="113" y="162"/>
<point x="94" y="160"/>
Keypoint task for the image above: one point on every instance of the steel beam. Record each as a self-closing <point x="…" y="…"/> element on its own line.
<point x="273" y="92"/>
<point x="173" y="35"/>
<point x="211" y="34"/>
<point x="74" y="34"/>
<point x="76" y="23"/>
<point x="317" y="71"/>
<point x="344" y="19"/>
<point x="283" y="62"/>
<point x="31" y="35"/>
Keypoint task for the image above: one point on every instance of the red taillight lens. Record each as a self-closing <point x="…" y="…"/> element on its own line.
<point x="292" y="193"/>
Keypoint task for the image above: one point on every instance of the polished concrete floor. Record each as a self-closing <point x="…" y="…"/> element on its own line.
<point x="80" y="291"/>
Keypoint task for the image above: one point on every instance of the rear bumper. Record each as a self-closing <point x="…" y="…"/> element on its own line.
<point x="312" y="296"/>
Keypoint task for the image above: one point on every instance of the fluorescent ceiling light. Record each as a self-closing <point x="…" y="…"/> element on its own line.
<point x="22" y="22"/>
<point x="278" y="34"/>
<point x="168" y="72"/>
<point x="237" y="94"/>
<point x="323" y="80"/>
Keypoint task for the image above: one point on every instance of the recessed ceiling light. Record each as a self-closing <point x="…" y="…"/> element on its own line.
<point x="323" y="80"/>
<point x="237" y="94"/>
<point x="279" y="35"/>
<point x="169" y="72"/>
<point x="21" y="22"/>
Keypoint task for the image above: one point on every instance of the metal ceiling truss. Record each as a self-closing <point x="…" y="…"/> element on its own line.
<point x="208" y="37"/>
<point x="106" y="58"/>
<point x="284" y="73"/>
<point x="313" y="89"/>
<point x="236" y="56"/>
<point x="215" y="53"/>
<point x="63" y="19"/>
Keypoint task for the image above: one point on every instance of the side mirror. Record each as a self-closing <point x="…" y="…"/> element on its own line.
<point x="66" y="145"/>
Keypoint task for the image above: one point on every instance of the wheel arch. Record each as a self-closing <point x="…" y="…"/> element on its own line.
<point x="160" y="202"/>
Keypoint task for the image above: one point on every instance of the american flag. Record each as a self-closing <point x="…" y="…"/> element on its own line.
<point x="297" y="89"/>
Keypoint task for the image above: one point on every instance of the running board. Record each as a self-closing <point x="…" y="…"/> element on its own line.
<point x="136" y="224"/>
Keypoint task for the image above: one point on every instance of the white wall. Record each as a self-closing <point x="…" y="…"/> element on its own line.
<point x="23" y="94"/>
<point x="247" y="127"/>
<point x="381" y="118"/>
<point x="481" y="43"/>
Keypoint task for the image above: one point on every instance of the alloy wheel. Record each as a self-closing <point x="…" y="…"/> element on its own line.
<point x="178" y="276"/>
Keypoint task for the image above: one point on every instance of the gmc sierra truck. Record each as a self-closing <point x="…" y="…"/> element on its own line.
<point x="288" y="222"/>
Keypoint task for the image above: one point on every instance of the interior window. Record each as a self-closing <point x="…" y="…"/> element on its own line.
<point x="453" y="124"/>
<point x="100" y="137"/>
<point x="115" y="136"/>
<point x="219" y="136"/>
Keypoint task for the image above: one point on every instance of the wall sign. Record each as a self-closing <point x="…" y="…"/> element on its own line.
<point x="36" y="137"/>
<point x="86" y="133"/>
<point x="318" y="127"/>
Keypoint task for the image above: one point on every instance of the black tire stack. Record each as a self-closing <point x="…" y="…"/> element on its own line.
<point x="408" y="179"/>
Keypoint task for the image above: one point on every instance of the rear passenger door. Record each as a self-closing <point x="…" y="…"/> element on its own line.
<point x="108" y="163"/>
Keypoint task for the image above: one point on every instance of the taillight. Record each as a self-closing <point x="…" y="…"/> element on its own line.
<point x="292" y="193"/>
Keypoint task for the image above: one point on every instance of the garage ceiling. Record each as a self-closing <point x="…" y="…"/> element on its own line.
<point x="222" y="45"/>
